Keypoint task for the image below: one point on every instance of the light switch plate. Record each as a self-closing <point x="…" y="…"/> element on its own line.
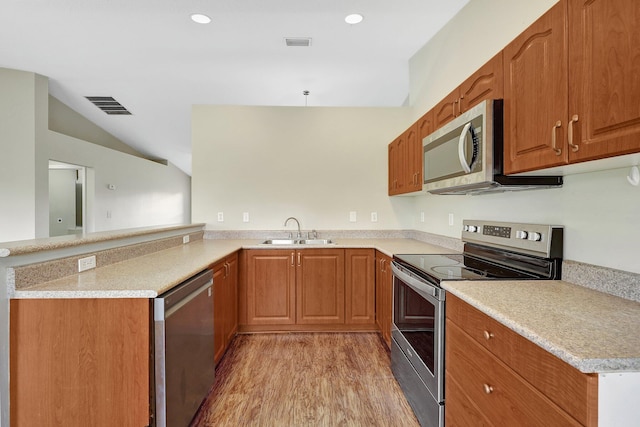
<point x="220" y="216"/>
<point x="374" y="216"/>
<point x="352" y="216"/>
<point x="450" y="219"/>
<point x="245" y="216"/>
<point x="421" y="216"/>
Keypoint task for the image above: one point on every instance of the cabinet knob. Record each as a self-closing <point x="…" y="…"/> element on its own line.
<point x="487" y="388"/>
<point x="488" y="335"/>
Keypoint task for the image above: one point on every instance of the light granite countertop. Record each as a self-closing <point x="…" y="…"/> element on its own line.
<point x="590" y="330"/>
<point x="150" y="275"/>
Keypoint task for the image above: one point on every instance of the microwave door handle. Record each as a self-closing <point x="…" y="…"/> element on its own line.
<point x="461" y="146"/>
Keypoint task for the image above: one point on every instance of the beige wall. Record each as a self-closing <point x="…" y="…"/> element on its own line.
<point x="599" y="210"/>
<point x="316" y="164"/>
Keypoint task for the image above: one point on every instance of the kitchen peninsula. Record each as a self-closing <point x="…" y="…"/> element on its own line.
<point x="124" y="288"/>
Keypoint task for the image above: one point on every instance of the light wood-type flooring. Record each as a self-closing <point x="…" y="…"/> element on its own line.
<point x="306" y="379"/>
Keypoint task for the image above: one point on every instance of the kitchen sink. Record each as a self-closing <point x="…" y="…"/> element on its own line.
<point x="316" y="242"/>
<point x="298" y="242"/>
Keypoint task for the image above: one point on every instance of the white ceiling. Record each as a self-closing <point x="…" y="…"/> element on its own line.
<point x="155" y="61"/>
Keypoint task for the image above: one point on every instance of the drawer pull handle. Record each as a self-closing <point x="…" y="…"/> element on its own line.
<point x="487" y="388"/>
<point x="488" y="335"/>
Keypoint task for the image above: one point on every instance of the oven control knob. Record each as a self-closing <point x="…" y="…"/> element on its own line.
<point x="521" y="234"/>
<point x="473" y="229"/>
<point x="535" y="236"/>
<point x="466" y="228"/>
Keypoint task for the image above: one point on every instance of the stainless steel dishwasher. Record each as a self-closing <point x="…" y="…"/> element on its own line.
<point x="183" y="350"/>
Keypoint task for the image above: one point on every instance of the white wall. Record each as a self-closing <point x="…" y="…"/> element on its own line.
<point x="17" y="153"/>
<point x="147" y="193"/>
<point x="479" y="31"/>
<point x="316" y="164"/>
<point x="599" y="210"/>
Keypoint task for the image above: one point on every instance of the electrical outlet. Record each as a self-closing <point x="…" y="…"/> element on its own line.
<point x="185" y="239"/>
<point x="374" y="216"/>
<point x="86" y="263"/>
<point x="352" y="216"/>
<point x="220" y="216"/>
<point x="450" y="219"/>
<point x="245" y="216"/>
<point x="421" y="216"/>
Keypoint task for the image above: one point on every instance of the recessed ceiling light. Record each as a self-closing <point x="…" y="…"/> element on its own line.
<point x="354" y="18"/>
<point x="200" y="18"/>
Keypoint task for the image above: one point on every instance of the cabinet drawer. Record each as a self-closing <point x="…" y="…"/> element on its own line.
<point x="498" y="392"/>
<point x="573" y="391"/>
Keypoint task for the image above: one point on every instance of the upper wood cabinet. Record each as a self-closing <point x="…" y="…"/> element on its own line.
<point x="405" y="159"/>
<point x="398" y="164"/>
<point x="571" y="86"/>
<point x="604" y="82"/>
<point x="485" y="83"/>
<point x="535" y="94"/>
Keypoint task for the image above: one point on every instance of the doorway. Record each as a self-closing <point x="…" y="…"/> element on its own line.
<point x="67" y="199"/>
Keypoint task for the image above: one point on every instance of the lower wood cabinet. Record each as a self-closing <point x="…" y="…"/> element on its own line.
<point x="384" y="296"/>
<point x="80" y="362"/>
<point x="225" y="304"/>
<point x="495" y="376"/>
<point x="307" y="289"/>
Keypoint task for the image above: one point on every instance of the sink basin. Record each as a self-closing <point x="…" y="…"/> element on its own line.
<point x="316" y="241"/>
<point x="281" y="242"/>
<point x="297" y="242"/>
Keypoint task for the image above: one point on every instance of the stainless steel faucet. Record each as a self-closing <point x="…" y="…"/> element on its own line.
<point x="297" y="222"/>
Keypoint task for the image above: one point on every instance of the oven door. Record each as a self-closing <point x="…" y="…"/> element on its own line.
<point x="418" y="328"/>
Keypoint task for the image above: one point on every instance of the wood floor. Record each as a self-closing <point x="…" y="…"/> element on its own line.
<point x="306" y="379"/>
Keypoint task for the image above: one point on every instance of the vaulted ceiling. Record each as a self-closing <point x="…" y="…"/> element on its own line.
<point x="152" y="58"/>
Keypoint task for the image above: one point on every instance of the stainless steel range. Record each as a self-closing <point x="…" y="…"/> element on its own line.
<point x="492" y="251"/>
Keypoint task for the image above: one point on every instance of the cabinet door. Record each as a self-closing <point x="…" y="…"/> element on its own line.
<point x="447" y="109"/>
<point x="604" y="84"/>
<point x="270" y="287"/>
<point x="413" y="174"/>
<point x="486" y="83"/>
<point x="397" y="165"/>
<point x="320" y="286"/>
<point x="80" y="362"/>
<point x="535" y="95"/>
<point x="231" y="322"/>
<point x="360" y="286"/>
<point x="219" y="309"/>
<point x="383" y="296"/>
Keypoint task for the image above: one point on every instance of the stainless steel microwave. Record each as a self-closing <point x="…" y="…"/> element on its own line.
<point x="465" y="156"/>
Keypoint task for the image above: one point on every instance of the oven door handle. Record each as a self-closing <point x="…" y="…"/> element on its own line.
<point x="422" y="286"/>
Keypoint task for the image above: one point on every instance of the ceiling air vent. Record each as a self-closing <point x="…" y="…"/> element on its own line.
<point x="109" y="105"/>
<point x="298" y="41"/>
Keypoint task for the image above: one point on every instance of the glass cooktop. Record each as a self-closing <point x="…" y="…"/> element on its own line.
<point x="457" y="267"/>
